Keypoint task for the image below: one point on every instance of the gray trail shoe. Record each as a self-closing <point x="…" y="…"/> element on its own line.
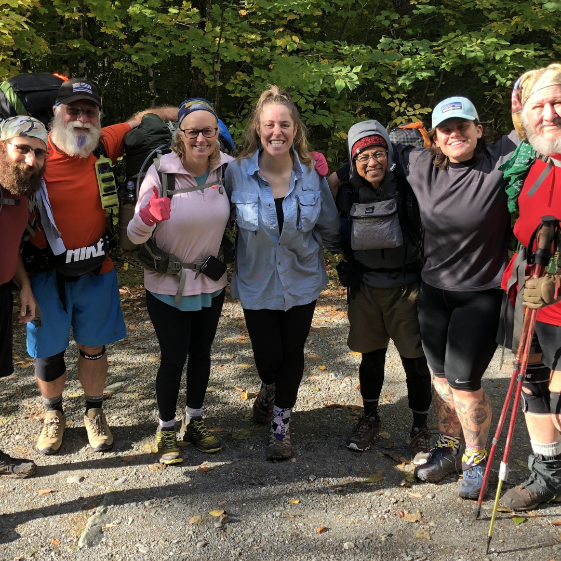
<point x="543" y="485"/>
<point x="279" y="449"/>
<point x="15" y="467"/>
<point x="440" y="463"/>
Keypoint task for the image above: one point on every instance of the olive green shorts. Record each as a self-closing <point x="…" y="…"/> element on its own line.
<point x="377" y="315"/>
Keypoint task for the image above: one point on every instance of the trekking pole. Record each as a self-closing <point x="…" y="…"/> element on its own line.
<point x="546" y="234"/>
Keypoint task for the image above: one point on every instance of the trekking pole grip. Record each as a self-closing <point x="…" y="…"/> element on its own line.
<point x="546" y="237"/>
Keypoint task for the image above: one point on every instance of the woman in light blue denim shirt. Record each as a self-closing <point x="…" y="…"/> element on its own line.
<point x="285" y="214"/>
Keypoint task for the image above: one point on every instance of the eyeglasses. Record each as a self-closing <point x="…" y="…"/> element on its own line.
<point x="77" y="111"/>
<point x="208" y="132"/>
<point x="25" y="149"/>
<point x="378" y="156"/>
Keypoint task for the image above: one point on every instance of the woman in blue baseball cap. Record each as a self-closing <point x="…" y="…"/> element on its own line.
<point x="463" y="205"/>
<point x="185" y="308"/>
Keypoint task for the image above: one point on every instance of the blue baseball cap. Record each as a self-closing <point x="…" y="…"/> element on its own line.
<point x="454" y="108"/>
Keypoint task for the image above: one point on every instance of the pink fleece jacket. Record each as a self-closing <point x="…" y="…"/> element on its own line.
<point x="194" y="230"/>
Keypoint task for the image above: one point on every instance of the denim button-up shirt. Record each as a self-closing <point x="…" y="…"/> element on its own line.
<point x="278" y="271"/>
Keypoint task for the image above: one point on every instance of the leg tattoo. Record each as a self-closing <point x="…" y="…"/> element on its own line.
<point x="448" y="421"/>
<point x="474" y="412"/>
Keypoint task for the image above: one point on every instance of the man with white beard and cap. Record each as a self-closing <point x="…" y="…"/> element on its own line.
<point x="533" y="174"/>
<point x="77" y="285"/>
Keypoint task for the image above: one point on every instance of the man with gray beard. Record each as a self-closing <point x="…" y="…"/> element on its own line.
<point x="78" y="290"/>
<point x="23" y="147"/>
<point x="533" y="174"/>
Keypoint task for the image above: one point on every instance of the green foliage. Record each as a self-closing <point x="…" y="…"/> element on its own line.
<point x="343" y="61"/>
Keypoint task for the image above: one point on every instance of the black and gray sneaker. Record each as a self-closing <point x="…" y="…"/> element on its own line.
<point x="440" y="463"/>
<point x="15" y="467"/>
<point x="366" y="430"/>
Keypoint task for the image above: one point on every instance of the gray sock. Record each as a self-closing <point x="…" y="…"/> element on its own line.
<point x="53" y="403"/>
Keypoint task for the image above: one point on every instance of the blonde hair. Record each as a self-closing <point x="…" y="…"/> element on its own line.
<point x="251" y="141"/>
<point x="178" y="147"/>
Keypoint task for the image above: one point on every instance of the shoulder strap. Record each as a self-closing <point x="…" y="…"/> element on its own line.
<point x="100" y="150"/>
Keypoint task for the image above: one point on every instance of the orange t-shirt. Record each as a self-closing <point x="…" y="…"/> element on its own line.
<point x="74" y="193"/>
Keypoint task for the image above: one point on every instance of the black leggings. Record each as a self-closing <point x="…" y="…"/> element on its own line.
<point x="417" y="376"/>
<point x="181" y="333"/>
<point x="458" y="331"/>
<point x="278" y="340"/>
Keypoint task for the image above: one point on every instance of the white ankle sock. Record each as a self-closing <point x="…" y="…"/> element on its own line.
<point x="547" y="450"/>
<point x="166" y="425"/>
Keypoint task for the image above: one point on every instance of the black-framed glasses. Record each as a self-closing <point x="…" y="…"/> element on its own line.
<point x="378" y="156"/>
<point x="25" y="149"/>
<point x="77" y="111"/>
<point x="207" y="132"/>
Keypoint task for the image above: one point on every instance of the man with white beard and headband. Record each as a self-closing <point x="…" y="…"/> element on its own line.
<point x="533" y="175"/>
<point x="77" y="287"/>
<point x="23" y="148"/>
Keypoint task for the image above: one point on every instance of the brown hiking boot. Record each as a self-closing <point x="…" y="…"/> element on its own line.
<point x="365" y="431"/>
<point x="15" y="467"/>
<point x="50" y="439"/>
<point x="419" y="445"/>
<point x="99" y="435"/>
<point x="262" y="415"/>
<point x="279" y="449"/>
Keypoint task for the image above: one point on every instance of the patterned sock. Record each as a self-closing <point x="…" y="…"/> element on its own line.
<point x="473" y="456"/>
<point x="267" y="394"/>
<point x="193" y="414"/>
<point x="166" y="425"/>
<point x="280" y="425"/>
<point x="93" y="402"/>
<point x="370" y="406"/>
<point x="53" y="403"/>
<point x="447" y="441"/>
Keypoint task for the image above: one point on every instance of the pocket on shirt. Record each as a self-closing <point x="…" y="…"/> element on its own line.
<point x="309" y="206"/>
<point x="247" y="210"/>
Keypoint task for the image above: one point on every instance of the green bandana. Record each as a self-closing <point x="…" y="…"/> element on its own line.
<point x="515" y="170"/>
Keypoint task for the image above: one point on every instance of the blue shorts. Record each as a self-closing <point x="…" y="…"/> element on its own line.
<point x="93" y="312"/>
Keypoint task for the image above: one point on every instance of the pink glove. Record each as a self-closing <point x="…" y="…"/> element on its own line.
<point x="157" y="209"/>
<point x="321" y="163"/>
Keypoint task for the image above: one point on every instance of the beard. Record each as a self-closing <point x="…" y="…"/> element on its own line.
<point x="17" y="178"/>
<point x="75" y="138"/>
<point x="539" y="143"/>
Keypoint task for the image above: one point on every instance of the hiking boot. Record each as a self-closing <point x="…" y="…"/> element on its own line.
<point x="99" y="435"/>
<point x="419" y="445"/>
<point x="440" y="463"/>
<point x="279" y="449"/>
<point x="168" y="450"/>
<point x="50" y="439"/>
<point x="540" y="487"/>
<point x="262" y="415"/>
<point x="197" y="433"/>
<point x="15" y="467"/>
<point x="366" y="430"/>
<point x="471" y="483"/>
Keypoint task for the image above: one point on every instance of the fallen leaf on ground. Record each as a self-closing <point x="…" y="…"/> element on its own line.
<point x="195" y="519"/>
<point x="45" y="491"/>
<point x="293" y="501"/>
<point x="244" y="396"/>
<point x="321" y="529"/>
<point x="503" y="509"/>
<point x="556" y="523"/>
<point x="203" y="468"/>
<point x="322" y="367"/>
<point x="237" y="388"/>
<point x="394" y="457"/>
<point x="55" y="542"/>
<point x="127" y="458"/>
<point x="411" y="516"/>
<point x="241" y="434"/>
<point x="354" y="353"/>
<point x="521" y="463"/>
<point x="156" y="467"/>
<point x="422" y="535"/>
<point x="154" y="359"/>
<point x="416" y="495"/>
<point x="217" y="512"/>
<point x="375" y="477"/>
<point x="385" y="435"/>
<point x="132" y="328"/>
<point x="222" y="503"/>
<point x="519" y="519"/>
<point x="244" y="365"/>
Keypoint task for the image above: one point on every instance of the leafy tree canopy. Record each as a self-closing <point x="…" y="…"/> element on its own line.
<point x="342" y="60"/>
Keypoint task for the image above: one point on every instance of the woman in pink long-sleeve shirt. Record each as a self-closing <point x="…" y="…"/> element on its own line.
<point x="190" y="226"/>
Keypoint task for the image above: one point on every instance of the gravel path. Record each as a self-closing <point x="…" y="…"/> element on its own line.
<point x="327" y="503"/>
